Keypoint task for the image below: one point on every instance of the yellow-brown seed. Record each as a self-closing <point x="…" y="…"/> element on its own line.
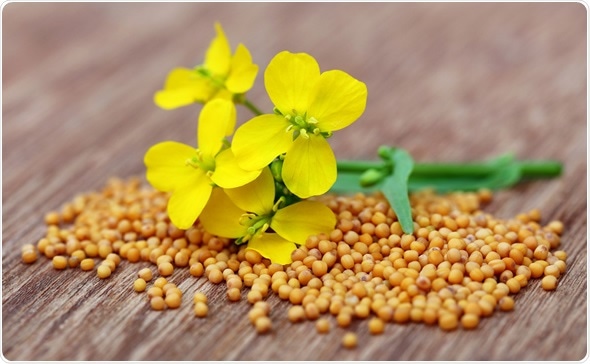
<point x="52" y="218"/>
<point x="145" y="274"/>
<point x="506" y="303"/>
<point x="349" y="340"/>
<point x="87" y="264"/>
<point x="155" y="292"/>
<point x="376" y="326"/>
<point x="263" y="325"/>
<point x="200" y="297"/>
<point x="173" y="300"/>
<point x="322" y="326"/>
<point x="160" y="282"/>
<point x="549" y="283"/>
<point x="29" y="256"/>
<point x="165" y="269"/>
<point x="234" y="294"/>
<point x="296" y="314"/>
<point x="103" y="271"/>
<point x="60" y="262"/>
<point x="157" y="303"/>
<point x="448" y="322"/>
<point x="201" y="310"/>
<point x="469" y="321"/>
<point x="139" y="285"/>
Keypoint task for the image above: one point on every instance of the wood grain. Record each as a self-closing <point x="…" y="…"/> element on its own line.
<point x="448" y="82"/>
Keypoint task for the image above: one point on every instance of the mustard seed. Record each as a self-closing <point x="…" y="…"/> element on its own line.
<point x="215" y="276"/>
<point x="103" y="272"/>
<point x="322" y="326"/>
<point x="29" y="256"/>
<point x="155" y="292"/>
<point x="172" y="300"/>
<point x="234" y="294"/>
<point x="549" y="283"/>
<point x="200" y="297"/>
<point x="160" y="282"/>
<point x="296" y="314"/>
<point x="87" y="264"/>
<point x="201" y="310"/>
<point x="448" y="322"/>
<point x="157" y="303"/>
<point x="197" y="269"/>
<point x="263" y="325"/>
<point x="255" y="313"/>
<point x="139" y="285"/>
<point x="263" y="305"/>
<point x="506" y="303"/>
<point x="376" y="326"/>
<point x="349" y="340"/>
<point x="60" y="262"/>
<point x="470" y="321"/>
<point x="166" y="269"/>
<point x="52" y="218"/>
<point x="145" y="274"/>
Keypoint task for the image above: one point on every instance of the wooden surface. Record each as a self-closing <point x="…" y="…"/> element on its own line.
<point x="448" y="82"/>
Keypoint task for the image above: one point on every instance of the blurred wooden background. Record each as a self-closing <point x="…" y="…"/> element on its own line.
<point x="448" y="82"/>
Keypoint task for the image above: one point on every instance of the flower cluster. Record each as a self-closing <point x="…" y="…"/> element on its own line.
<point x="255" y="187"/>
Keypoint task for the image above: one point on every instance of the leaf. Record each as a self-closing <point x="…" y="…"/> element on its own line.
<point x="395" y="188"/>
<point x="348" y="182"/>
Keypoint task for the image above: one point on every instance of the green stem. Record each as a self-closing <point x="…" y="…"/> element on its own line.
<point x="256" y="111"/>
<point x="533" y="169"/>
<point x="358" y="166"/>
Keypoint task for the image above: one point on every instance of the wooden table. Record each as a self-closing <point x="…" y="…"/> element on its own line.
<point x="448" y="82"/>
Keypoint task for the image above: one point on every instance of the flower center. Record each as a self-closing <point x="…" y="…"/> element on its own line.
<point x="202" y="162"/>
<point x="258" y="224"/>
<point x="301" y="125"/>
<point x="216" y="81"/>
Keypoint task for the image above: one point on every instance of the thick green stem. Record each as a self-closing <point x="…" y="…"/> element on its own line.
<point x="256" y="111"/>
<point x="358" y="166"/>
<point x="528" y="168"/>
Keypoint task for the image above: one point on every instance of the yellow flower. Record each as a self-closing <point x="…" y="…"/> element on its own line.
<point x="309" y="106"/>
<point x="190" y="173"/>
<point x="247" y="212"/>
<point x="220" y="76"/>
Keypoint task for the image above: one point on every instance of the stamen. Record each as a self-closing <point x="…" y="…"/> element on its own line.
<point x="278" y="204"/>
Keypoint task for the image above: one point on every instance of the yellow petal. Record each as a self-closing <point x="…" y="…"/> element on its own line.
<point x="298" y="221"/>
<point x="273" y="247"/>
<point x="215" y="119"/>
<point x="172" y="99"/>
<point x="309" y="168"/>
<point x="187" y="201"/>
<point x="218" y="56"/>
<point x="183" y="87"/>
<point x="337" y="100"/>
<point x="166" y="165"/>
<point x="221" y="217"/>
<point x="289" y="79"/>
<point x="257" y="196"/>
<point x="260" y="140"/>
<point x="228" y="173"/>
<point x="243" y="71"/>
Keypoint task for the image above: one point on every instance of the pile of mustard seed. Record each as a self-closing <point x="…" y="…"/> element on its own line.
<point x="459" y="266"/>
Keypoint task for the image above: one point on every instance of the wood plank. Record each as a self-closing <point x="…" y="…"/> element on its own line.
<point x="448" y="82"/>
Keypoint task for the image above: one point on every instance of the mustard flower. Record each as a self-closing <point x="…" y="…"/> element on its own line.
<point x="309" y="106"/>
<point x="249" y="213"/>
<point x="220" y="76"/>
<point x="189" y="173"/>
